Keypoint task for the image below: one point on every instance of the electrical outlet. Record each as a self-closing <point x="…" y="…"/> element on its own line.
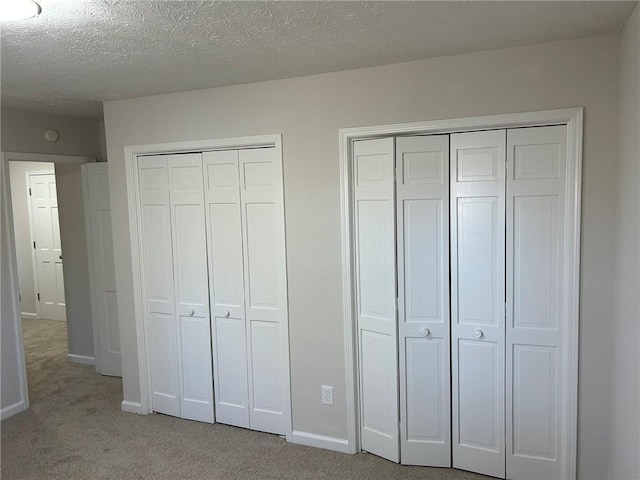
<point x="327" y="395"/>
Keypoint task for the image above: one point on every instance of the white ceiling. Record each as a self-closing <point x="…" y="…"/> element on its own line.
<point x="80" y="52"/>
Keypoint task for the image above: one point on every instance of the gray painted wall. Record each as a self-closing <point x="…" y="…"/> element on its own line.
<point x="308" y="111"/>
<point x="23" y="131"/>
<point x="625" y="425"/>
<point x="22" y="230"/>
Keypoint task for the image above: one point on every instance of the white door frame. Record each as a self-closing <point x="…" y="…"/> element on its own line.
<point x="573" y="118"/>
<point x="131" y="154"/>
<point x="6" y="157"/>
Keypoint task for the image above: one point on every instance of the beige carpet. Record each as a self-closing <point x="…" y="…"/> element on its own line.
<point x="75" y="430"/>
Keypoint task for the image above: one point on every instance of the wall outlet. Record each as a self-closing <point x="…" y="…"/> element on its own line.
<point x="327" y="395"/>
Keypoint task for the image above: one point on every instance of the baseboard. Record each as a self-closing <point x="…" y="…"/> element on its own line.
<point x="81" y="359"/>
<point x="320" y="441"/>
<point x="28" y="315"/>
<point x="131" y="407"/>
<point x="11" y="410"/>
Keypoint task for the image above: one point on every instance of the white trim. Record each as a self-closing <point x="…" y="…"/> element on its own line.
<point x="6" y="213"/>
<point x="12" y="409"/>
<point x="81" y="359"/>
<point x="132" y="407"/>
<point x="29" y="316"/>
<point x="573" y="118"/>
<point x="84" y="175"/>
<point x="131" y="154"/>
<point x="320" y="441"/>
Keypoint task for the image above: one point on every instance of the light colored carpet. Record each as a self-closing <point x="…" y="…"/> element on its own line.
<point x="75" y="430"/>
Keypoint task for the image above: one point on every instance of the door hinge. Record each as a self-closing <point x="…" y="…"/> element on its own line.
<point x="29" y="191"/>
<point x="38" y="297"/>
<point x="20" y="297"/>
<point x="34" y="245"/>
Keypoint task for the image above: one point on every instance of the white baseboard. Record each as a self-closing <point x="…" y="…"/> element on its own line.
<point x="81" y="359"/>
<point x="131" y="407"/>
<point x="320" y="441"/>
<point x="28" y="315"/>
<point x="12" y="409"/>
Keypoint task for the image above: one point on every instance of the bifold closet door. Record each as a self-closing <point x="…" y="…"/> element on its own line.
<point x="248" y="288"/>
<point x="478" y="300"/>
<point x="375" y="272"/>
<point x="222" y="199"/>
<point x="422" y="202"/>
<point x="536" y="176"/>
<point x="176" y="283"/>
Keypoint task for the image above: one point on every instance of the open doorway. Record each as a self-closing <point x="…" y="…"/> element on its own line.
<point x="51" y="301"/>
<point x="39" y="260"/>
<point x="36" y="228"/>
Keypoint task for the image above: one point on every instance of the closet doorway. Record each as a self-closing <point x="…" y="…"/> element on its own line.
<point x="207" y="222"/>
<point x="461" y="268"/>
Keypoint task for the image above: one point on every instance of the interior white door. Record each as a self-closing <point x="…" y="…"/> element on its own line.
<point x="264" y="287"/>
<point x="190" y="276"/>
<point x="478" y="300"/>
<point x="422" y="193"/>
<point x="104" y="282"/>
<point x="46" y="235"/>
<point x="157" y="257"/>
<point x="226" y="283"/>
<point x="375" y="272"/>
<point x="536" y="173"/>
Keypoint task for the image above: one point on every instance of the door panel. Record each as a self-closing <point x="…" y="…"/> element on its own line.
<point x="477" y="300"/>
<point x="157" y="257"/>
<point x="264" y="287"/>
<point x="536" y="160"/>
<point x="100" y="234"/>
<point x="190" y="277"/>
<point x="375" y="272"/>
<point x="164" y="364"/>
<point x="231" y="389"/>
<point x="196" y="369"/>
<point x="266" y="398"/>
<point x="224" y="236"/>
<point x="422" y="200"/>
<point x="46" y="234"/>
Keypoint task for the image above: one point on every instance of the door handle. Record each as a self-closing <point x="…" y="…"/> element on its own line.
<point x="227" y="314"/>
<point x="192" y="312"/>
<point x="479" y="333"/>
<point x="60" y="257"/>
<point x="425" y="332"/>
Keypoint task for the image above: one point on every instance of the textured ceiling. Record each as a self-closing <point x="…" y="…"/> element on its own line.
<point x="80" y="52"/>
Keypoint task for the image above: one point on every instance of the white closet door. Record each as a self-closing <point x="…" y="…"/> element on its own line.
<point x="265" y="287"/>
<point x="422" y="174"/>
<point x="376" y="295"/>
<point x="46" y="233"/>
<point x="535" y="225"/>
<point x="104" y="278"/>
<point x="157" y="257"/>
<point x="478" y="300"/>
<point x="191" y="286"/>
<point x="226" y="283"/>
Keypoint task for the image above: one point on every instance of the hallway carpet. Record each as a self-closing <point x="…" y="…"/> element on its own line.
<point x="75" y="430"/>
